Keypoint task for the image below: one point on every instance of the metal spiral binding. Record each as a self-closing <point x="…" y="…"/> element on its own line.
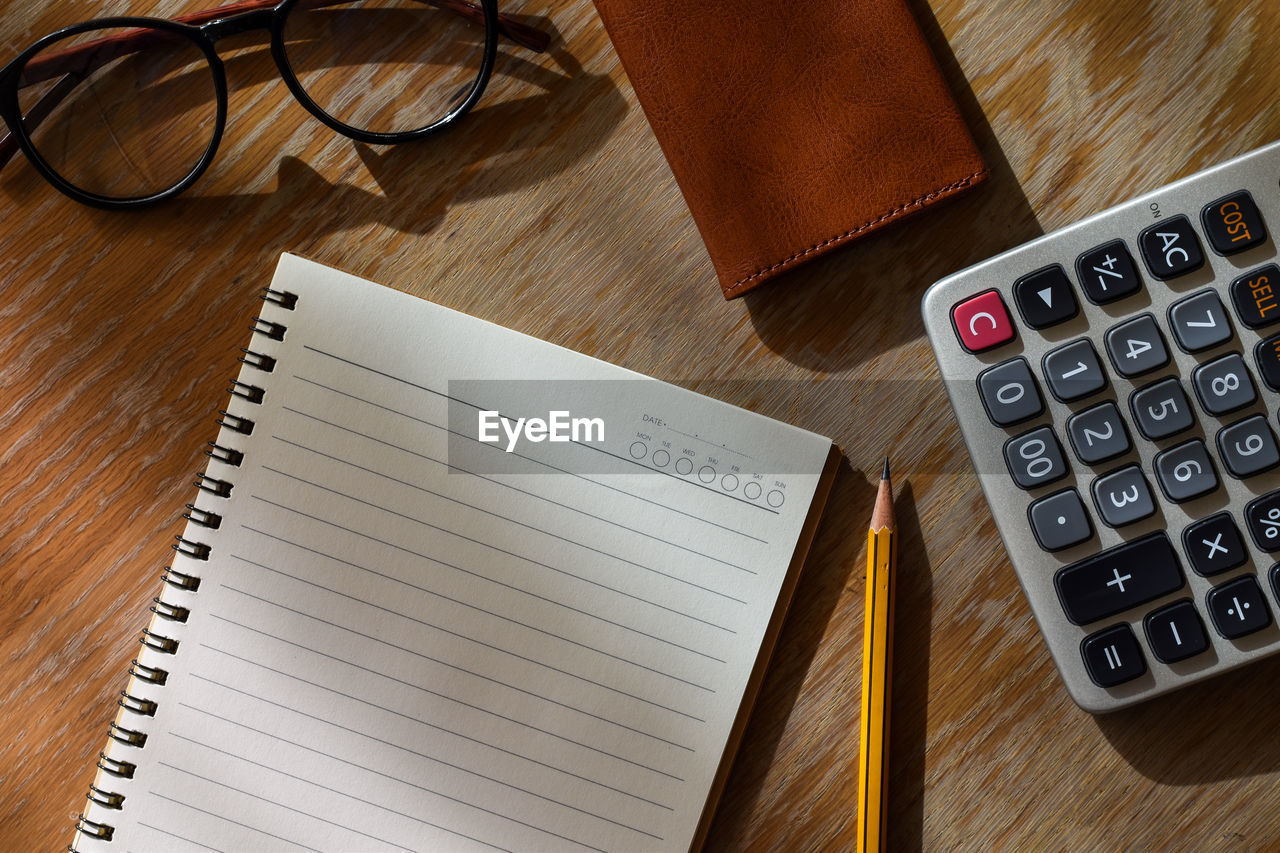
<point x="265" y="363"/>
<point x="202" y="517"/>
<point x="225" y="455"/>
<point x="181" y="580"/>
<point x="166" y="610"/>
<point x="205" y="483"/>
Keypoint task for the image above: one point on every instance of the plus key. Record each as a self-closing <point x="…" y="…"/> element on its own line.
<point x="1119" y="578"/>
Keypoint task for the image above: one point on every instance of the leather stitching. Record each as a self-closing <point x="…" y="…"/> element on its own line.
<point x="866" y="226"/>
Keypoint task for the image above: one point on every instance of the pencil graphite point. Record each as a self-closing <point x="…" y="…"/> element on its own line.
<point x="884" y="475"/>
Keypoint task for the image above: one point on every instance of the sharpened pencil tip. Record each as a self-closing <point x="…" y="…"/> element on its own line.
<point x="884" y="475"/>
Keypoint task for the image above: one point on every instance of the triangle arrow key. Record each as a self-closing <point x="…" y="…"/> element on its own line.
<point x="1045" y="298"/>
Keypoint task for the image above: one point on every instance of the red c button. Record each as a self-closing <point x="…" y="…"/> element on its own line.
<point x="982" y="322"/>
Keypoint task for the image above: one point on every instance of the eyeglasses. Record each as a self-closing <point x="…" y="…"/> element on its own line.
<point x="124" y="112"/>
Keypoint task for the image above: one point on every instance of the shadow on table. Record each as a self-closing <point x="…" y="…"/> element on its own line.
<point x="1219" y="729"/>
<point x="834" y="569"/>
<point x="499" y="148"/>
<point x="912" y="632"/>
<point x="816" y="315"/>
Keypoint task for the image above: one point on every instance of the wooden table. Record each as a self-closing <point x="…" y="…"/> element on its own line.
<point x="552" y="211"/>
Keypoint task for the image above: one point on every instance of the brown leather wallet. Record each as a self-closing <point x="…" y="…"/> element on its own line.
<point x="792" y="128"/>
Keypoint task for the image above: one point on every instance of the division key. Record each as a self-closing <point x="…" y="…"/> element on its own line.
<point x="1118" y="579"/>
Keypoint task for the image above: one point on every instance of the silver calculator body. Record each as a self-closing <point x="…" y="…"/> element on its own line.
<point x="1118" y="608"/>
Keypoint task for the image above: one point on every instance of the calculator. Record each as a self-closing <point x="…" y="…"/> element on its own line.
<point x="1117" y="383"/>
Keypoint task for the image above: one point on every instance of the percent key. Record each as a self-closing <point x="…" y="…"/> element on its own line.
<point x="1263" y="517"/>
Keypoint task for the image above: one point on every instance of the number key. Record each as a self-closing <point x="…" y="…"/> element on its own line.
<point x="1200" y="322"/>
<point x="1035" y="458"/>
<point x="1098" y="434"/>
<point x="1123" y="496"/>
<point x="1185" y="472"/>
<point x="1074" y="371"/>
<point x="1009" y="393"/>
<point x="1136" y="346"/>
<point x="1161" y="409"/>
<point x="1248" y="447"/>
<point x="1223" y="385"/>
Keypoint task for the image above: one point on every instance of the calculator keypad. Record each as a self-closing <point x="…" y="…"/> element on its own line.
<point x="1200" y="322"/>
<point x="1098" y="434"/>
<point x="1147" y="341"/>
<point x="1113" y="656"/>
<point x="1254" y="297"/>
<point x="1119" y="578"/>
<point x="1223" y="385"/>
<point x="1107" y="273"/>
<point x="1073" y="371"/>
<point x="1213" y="545"/>
<point x="1137" y="347"/>
<point x="1123" y="496"/>
<point x="1035" y="458"/>
<point x="1233" y="224"/>
<point x="1175" y="632"/>
<point x="1171" y="248"/>
<point x="1248" y="447"/>
<point x="1060" y="521"/>
<point x="1161" y="409"/>
<point x="1185" y="472"/>
<point x="1238" y="608"/>
<point x="1009" y="392"/>
<point x="1045" y="298"/>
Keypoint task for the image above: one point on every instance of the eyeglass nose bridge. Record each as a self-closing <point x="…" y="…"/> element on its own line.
<point x="234" y="25"/>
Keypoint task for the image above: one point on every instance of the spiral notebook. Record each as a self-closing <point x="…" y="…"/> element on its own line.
<point x="448" y="587"/>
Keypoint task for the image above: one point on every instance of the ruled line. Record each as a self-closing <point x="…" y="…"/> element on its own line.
<point x="674" y="477"/>
<point x="517" y="455"/>
<point x="473" y="673"/>
<point x="385" y="776"/>
<point x="426" y="690"/>
<point x="179" y="837"/>
<point x="477" y="774"/>
<point x="582" y="678"/>
<point x="483" y="577"/>
<point x="532" y="527"/>
<point x="453" y="466"/>
<point x="477" y="741"/>
<point x="468" y="638"/>
<point x="493" y="547"/>
<point x="529" y="560"/>
<point x="263" y="799"/>
<point x="156" y="793"/>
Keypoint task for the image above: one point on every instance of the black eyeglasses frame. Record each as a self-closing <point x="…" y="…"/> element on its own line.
<point x="204" y="36"/>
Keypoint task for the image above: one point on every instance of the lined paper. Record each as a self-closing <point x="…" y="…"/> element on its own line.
<point x="407" y="639"/>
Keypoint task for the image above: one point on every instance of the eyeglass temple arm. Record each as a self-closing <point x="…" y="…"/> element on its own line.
<point x="97" y="53"/>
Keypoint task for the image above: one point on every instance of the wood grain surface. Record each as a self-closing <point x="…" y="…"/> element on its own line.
<point x="551" y="210"/>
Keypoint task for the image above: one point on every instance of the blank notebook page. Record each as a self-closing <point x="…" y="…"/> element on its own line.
<point x="405" y="638"/>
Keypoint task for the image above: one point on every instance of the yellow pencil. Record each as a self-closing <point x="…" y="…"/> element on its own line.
<point x="877" y="663"/>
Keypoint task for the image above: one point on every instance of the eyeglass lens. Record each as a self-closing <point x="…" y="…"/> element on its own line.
<point x="137" y="108"/>
<point x="385" y="66"/>
<point x="130" y="122"/>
